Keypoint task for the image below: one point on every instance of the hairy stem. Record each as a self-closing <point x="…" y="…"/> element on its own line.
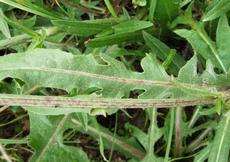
<point x="71" y="102"/>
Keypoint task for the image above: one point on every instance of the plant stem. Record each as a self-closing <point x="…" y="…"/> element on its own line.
<point x="26" y="93"/>
<point x="13" y="141"/>
<point x="108" y="103"/>
<point x="178" y="132"/>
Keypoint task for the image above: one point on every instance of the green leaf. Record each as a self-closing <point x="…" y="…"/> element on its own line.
<point x="162" y="51"/>
<point x="46" y="139"/>
<point x="131" y="26"/>
<point x="221" y="144"/>
<point x="110" y="8"/>
<point x="152" y="9"/>
<point x="203" y="154"/>
<point x="141" y="136"/>
<point x="166" y="11"/>
<point x="129" y="146"/>
<point x="198" y="38"/>
<point x="55" y="111"/>
<point x="4" y="26"/>
<point x="32" y="8"/>
<point x="199" y="45"/>
<point x="115" y="39"/>
<point x="168" y="134"/>
<point x="218" y="8"/>
<point x="21" y="28"/>
<point x="153" y="135"/>
<point x="81" y="28"/>
<point x="223" y="41"/>
<point x="57" y="69"/>
<point x="188" y="73"/>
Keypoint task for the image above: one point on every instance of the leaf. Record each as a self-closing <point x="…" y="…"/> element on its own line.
<point x="162" y="50"/>
<point x="152" y="9"/>
<point x="126" y="31"/>
<point x="46" y="139"/>
<point x="166" y="11"/>
<point x="218" y="8"/>
<point x="198" y="44"/>
<point x="116" y="38"/>
<point x="57" y="69"/>
<point x="153" y="135"/>
<point x="221" y="144"/>
<point x="141" y="136"/>
<point x="223" y="40"/>
<point x="168" y="134"/>
<point x="131" y="26"/>
<point x="203" y="154"/>
<point x="55" y="111"/>
<point x="110" y="8"/>
<point x="199" y="39"/>
<point x="21" y="28"/>
<point x="4" y="26"/>
<point x="62" y="70"/>
<point x="188" y="73"/>
<point x="32" y="8"/>
<point x="81" y="28"/>
<point x="129" y="146"/>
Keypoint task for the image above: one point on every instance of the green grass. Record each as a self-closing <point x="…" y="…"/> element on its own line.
<point x="121" y="80"/>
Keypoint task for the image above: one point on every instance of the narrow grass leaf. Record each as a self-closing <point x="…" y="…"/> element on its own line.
<point x="131" y="26"/>
<point x="115" y="39"/>
<point x="219" y="8"/>
<point x="152" y="8"/>
<point x="110" y="8"/>
<point x="81" y="28"/>
<point x="32" y="8"/>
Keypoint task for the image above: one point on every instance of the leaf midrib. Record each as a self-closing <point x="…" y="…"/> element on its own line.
<point x="94" y="75"/>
